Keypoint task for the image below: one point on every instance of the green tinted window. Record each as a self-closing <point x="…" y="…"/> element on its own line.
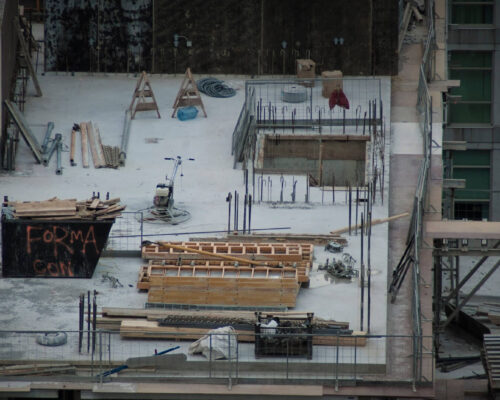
<point x="466" y="12"/>
<point x="473" y="69"/>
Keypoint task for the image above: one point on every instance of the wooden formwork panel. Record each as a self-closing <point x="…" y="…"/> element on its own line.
<point x="167" y="275"/>
<point x="262" y="286"/>
<point x="266" y="251"/>
<point x="159" y="269"/>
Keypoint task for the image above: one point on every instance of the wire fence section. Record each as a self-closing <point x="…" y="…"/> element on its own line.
<point x="232" y="356"/>
<point x="126" y="234"/>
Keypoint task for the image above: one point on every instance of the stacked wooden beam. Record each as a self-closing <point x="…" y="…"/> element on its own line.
<point x="242" y="286"/>
<point x="144" y="323"/>
<point x="68" y="209"/>
<point x="102" y="156"/>
<point x="37" y="369"/>
<point x="296" y="255"/>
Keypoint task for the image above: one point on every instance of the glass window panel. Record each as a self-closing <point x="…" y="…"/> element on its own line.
<point x="471" y="157"/>
<point x="461" y="113"/>
<point x="477" y="183"/>
<point x="471" y="14"/>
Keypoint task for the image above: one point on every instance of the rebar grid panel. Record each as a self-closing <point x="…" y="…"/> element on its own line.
<point x="334" y="364"/>
<point x="272" y="112"/>
<point x="126" y="232"/>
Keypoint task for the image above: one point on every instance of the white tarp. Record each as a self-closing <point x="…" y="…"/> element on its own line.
<point x="221" y="341"/>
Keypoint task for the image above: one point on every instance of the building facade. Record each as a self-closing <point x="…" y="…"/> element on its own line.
<point x="473" y="111"/>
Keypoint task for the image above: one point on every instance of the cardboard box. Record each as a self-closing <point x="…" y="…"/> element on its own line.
<point x="332" y="80"/>
<point x="306" y="68"/>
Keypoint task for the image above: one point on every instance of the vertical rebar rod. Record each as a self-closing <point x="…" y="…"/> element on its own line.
<point x="357" y="206"/>
<point x="350" y="201"/>
<point x="249" y="214"/>
<point x="362" y="277"/>
<point x="80" y="321"/>
<point x="235" y="227"/>
<point x="94" y="321"/>
<point x="229" y="201"/>
<point x="368" y="255"/>
<point x="88" y="321"/>
<point x="245" y="202"/>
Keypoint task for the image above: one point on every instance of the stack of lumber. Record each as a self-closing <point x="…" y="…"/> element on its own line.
<point x="144" y="323"/>
<point x="102" y="156"/>
<point x="285" y="237"/>
<point x="68" y="209"/>
<point x="241" y="286"/>
<point x="37" y="369"/>
<point x="296" y="255"/>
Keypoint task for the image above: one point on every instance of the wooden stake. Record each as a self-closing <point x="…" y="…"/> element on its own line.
<point x="73" y="146"/>
<point x="85" y="149"/>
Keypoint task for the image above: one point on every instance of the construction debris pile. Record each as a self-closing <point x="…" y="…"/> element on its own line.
<point x="67" y="209"/>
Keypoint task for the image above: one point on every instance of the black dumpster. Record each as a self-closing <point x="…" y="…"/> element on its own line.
<point x="52" y="248"/>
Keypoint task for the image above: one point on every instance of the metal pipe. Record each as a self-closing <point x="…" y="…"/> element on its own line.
<point x="46" y="139"/>
<point x="59" y="170"/>
<point x="48" y="155"/>
<point x="125" y="137"/>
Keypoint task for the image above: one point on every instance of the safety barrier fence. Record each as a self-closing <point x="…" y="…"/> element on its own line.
<point x="424" y="107"/>
<point x="104" y="353"/>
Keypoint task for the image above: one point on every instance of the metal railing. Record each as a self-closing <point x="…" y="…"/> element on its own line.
<point x="362" y="359"/>
<point x="424" y="107"/>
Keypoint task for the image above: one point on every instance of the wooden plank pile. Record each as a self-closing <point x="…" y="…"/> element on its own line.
<point x="243" y="286"/>
<point x="144" y="323"/>
<point x="315" y="239"/>
<point x="37" y="369"/>
<point x="102" y="156"/>
<point x="295" y="255"/>
<point x="67" y="209"/>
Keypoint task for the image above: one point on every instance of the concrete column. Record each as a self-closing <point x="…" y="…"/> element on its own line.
<point x="495" y="185"/>
<point x="495" y="82"/>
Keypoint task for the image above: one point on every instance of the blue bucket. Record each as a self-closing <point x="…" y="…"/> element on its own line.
<point x="186" y="113"/>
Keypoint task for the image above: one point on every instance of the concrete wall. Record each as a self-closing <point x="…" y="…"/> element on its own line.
<point x="343" y="162"/>
<point x="95" y="35"/>
<point x="8" y="44"/>
<point x="227" y="36"/>
<point x="482" y="137"/>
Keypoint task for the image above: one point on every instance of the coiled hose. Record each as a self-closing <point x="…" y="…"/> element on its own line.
<point x="214" y="87"/>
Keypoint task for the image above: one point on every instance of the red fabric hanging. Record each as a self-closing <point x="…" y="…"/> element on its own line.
<point x="338" y="98"/>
